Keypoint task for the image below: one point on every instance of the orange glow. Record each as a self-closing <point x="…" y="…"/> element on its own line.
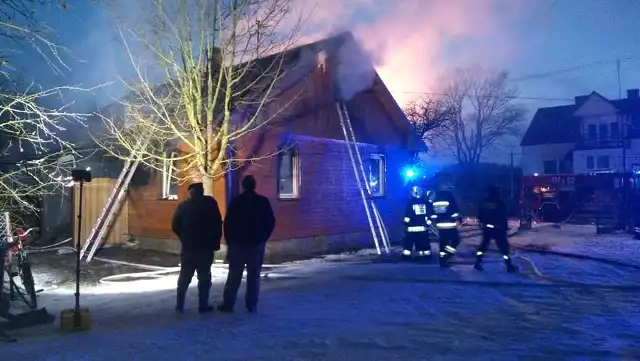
<point x="408" y="39"/>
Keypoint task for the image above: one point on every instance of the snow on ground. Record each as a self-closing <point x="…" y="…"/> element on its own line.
<point x="582" y="239"/>
<point x="332" y="309"/>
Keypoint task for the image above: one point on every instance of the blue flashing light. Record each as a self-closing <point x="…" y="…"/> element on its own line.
<point x="410" y="173"/>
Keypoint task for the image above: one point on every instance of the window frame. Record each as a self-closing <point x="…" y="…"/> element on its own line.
<point x="616" y="126"/>
<point x="296" y="174"/>
<point x="603" y="131"/>
<point x="382" y="171"/>
<point x="168" y="168"/>
<point x="592" y="135"/>
<point x="593" y="162"/>
<point x="600" y="157"/>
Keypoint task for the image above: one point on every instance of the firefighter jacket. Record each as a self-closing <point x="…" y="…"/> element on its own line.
<point x="445" y="212"/>
<point x="492" y="213"/>
<point x="416" y="216"/>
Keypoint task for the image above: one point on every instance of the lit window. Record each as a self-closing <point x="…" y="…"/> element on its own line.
<point x="169" y="178"/>
<point x="377" y="170"/>
<point x="288" y="174"/>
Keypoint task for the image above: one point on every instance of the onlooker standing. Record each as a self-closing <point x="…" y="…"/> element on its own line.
<point x="247" y="227"/>
<point x="198" y="224"/>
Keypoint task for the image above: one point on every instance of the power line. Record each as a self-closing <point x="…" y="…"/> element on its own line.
<point x="487" y="96"/>
<point x="542" y="75"/>
<point x="572" y="69"/>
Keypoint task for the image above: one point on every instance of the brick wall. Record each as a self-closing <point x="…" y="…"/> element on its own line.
<point x="329" y="214"/>
<point x="329" y="202"/>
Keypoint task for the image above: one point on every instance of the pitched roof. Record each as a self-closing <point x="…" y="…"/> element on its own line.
<point x="558" y="124"/>
<point x="552" y="125"/>
<point x="293" y="66"/>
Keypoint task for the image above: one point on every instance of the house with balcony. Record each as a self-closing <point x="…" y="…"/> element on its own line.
<point x="592" y="135"/>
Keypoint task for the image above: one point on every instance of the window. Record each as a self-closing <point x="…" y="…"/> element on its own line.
<point x="592" y="132"/>
<point x="169" y="178"/>
<point x="615" y="131"/>
<point x="550" y="167"/>
<point x="603" y="131"/>
<point x="565" y="167"/>
<point x="590" y="163"/>
<point x="603" y="162"/>
<point x="288" y="174"/>
<point x="377" y="170"/>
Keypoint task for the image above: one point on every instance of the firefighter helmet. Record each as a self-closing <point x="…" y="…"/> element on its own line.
<point x="417" y="191"/>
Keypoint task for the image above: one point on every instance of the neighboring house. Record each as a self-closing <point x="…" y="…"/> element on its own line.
<point x="310" y="182"/>
<point x="592" y="135"/>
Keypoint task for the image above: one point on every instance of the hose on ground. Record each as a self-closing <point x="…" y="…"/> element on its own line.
<point x="156" y="272"/>
<point x="151" y="271"/>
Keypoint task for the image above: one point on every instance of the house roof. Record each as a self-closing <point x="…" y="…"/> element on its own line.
<point x="559" y="125"/>
<point x="294" y="65"/>
<point x="552" y="125"/>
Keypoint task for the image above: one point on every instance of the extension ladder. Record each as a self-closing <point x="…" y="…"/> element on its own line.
<point x="379" y="232"/>
<point x="110" y="210"/>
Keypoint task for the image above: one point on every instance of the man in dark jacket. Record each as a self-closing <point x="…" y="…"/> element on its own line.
<point x="247" y="227"/>
<point x="494" y="221"/>
<point x="198" y="224"/>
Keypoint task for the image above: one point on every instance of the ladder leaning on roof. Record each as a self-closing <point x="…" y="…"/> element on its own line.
<point x="111" y="208"/>
<point x="379" y="232"/>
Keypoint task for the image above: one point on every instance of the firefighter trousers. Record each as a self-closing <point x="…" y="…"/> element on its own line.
<point x="503" y="245"/>
<point x="500" y="237"/>
<point x="449" y="239"/>
<point x="418" y="241"/>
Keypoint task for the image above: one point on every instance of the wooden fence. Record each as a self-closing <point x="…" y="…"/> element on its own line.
<point x="95" y="195"/>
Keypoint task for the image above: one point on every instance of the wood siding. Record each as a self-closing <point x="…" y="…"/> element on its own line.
<point x="150" y="216"/>
<point x="95" y="195"/>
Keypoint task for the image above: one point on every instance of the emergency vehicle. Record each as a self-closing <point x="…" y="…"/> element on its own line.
<point x="582" y="197"/>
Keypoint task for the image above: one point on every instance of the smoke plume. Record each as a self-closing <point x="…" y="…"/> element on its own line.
<point x="412" y="42"/>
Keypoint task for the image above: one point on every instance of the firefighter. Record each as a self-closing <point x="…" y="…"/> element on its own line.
<point x="416" y="221"/>
<point x="493" y="219"/>
<point x="446" y="218"/>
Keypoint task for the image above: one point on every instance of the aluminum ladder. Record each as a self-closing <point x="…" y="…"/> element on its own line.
<point x="110" y="210"/>
<point x="378" y="230"/>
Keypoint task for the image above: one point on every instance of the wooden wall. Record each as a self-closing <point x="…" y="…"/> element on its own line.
<point x="95" y="196"/>
<point x="150" y="216"/>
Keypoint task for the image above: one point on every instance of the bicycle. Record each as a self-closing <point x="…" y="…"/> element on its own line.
<point x="17" y="265"/>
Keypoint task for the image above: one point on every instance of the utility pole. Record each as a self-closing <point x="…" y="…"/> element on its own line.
<point x="512" y="186"/>
<point x="619" y="82"/>
<point x="623" y="141"/>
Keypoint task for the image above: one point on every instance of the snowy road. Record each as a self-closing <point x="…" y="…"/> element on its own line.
<point x="380" y="311"/>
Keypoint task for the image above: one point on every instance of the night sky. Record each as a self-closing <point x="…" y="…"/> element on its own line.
<point x="414" y="41"/>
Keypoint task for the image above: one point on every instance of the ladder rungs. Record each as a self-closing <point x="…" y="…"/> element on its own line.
<point x="107" y="222"/>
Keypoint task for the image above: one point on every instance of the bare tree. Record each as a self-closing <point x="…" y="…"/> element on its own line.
<point x="484" y="112"/>
<point x="428" y="115"/>
<point x="222" y="62"/>
<point x="31" y="134"/>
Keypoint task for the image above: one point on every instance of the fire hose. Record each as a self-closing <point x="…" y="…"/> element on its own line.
<point x="156" y="272"/>
<point x="151" y="270"/>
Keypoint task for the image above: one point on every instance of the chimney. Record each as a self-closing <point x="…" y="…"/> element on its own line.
<point x="633" y="93"/>
<point x="581" y="99"/>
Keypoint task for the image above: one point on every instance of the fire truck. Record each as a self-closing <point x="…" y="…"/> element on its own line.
<point x="582" y="198"/>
